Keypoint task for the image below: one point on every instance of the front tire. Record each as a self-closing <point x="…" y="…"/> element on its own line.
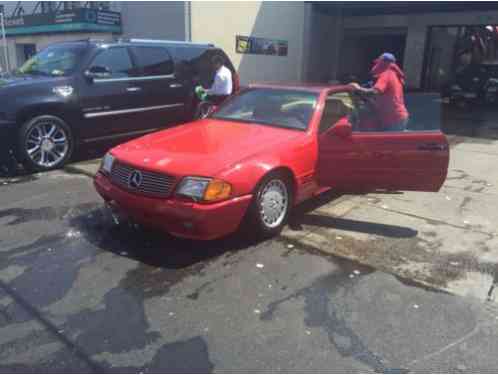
<point x="271" y="205"/>
<point x="45" y="143"/>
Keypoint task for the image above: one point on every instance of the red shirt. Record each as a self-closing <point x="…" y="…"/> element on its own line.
<point x="390" y="103"/>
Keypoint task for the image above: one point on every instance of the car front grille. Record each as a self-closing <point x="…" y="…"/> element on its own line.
<point x="151" y="183"/>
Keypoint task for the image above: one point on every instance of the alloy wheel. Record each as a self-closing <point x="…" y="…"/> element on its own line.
<point x="46" y="144"/>
<point x="274" y="203"/>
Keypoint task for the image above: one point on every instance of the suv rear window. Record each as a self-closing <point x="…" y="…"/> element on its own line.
<point x="153" y="61"/>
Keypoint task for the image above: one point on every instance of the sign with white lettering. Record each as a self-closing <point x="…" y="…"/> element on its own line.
<point x="84" y="19"/>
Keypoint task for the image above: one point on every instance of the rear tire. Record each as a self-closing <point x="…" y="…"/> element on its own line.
<point x="45" y="143"/>
<point x="271" y="205"/>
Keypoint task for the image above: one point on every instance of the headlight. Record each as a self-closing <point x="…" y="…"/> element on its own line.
<point x="204" y="189"/>
<point x="107" y="163"/>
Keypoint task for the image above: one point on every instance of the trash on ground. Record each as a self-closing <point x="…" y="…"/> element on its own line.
<point x="260" y="265"/>
<point x="385" y="207"/>
<point x="415" y="306"/>
<point x="466" y="222"/>
<point x="356" y="272"/>
<point x="351" y="276"/>
<point x="448" y="198"/>
<point x="171" y="314"/>
<point x="308" y="332"/>
<point x="269" y="286"/>
<point x="454" y="263"/>
<point x="256" y="311"/>
<point x="290" y="246"/>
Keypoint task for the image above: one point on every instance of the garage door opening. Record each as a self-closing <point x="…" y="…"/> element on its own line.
<point x="360" y="48"/>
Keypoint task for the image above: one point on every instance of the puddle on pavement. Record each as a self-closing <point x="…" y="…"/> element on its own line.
<point x="410" y="258"/>
<point x="17" y="216"/>
<point x="5" y="181"/>
<point x="322" y="312"/>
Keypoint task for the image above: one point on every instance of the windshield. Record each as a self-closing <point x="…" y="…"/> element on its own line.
<point x="277" y="107"/>
<point x="53" y="61"/>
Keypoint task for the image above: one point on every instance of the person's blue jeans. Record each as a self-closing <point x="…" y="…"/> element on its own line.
<point x="398" y="126"/>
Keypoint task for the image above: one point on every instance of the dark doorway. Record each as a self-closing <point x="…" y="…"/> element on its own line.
<point x="359" y="49"/>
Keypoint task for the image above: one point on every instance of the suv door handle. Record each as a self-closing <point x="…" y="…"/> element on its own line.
<point x="133" y="89"/>
<point x="432" y="147"/>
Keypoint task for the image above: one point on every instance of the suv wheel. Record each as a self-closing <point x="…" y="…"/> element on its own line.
<point x="271" y="205"/>
<point x="45" y="142"/>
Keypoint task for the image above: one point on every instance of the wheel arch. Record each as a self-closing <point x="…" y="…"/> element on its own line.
<point x="52" y="109"/>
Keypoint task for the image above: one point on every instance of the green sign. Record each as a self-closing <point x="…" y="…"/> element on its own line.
<point x="84" y="19"/>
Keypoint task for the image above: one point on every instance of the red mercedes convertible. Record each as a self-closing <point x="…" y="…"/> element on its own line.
<point x="261" y="153"/>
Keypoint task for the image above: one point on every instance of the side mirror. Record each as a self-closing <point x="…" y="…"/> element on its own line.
<point x="96" y="72"/>
<point x="342" y="129"/>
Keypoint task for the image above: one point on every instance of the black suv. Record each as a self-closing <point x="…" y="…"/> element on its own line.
<point x="77" y="93"/>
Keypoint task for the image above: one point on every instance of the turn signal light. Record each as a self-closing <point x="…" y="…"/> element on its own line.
<point x="217" y="190"/>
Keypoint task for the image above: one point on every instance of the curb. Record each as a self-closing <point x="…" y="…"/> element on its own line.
<point x="414" y="280"/>
<point x="76" y="170"/>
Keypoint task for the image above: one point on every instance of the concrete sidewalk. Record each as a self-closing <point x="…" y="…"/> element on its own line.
<point x="88" y="168"/>
<point x="446" y="240"/>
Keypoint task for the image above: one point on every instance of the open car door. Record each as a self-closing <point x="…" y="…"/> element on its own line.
<point x="353" y="161"/>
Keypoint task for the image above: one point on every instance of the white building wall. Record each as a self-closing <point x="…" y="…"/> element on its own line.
<point x="153" y="20"/>
<point x="221" y="22"/>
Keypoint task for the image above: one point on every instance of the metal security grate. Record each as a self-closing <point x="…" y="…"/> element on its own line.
<point x="152" y="183"/>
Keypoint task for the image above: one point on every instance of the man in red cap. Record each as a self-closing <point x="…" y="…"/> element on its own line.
<point x="388" y="88"/>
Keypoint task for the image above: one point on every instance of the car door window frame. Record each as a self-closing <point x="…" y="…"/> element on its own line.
<point x="116" y="79"/>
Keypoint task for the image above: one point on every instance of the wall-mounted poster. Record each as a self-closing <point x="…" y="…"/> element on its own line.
<point x="261" y="46"/>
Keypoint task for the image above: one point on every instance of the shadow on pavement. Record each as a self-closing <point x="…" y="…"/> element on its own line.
<point x="155" y="248"/>
<point x="384" y="230"/>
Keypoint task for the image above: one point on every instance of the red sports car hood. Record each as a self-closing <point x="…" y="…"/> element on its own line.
<point x="201" y="148"/>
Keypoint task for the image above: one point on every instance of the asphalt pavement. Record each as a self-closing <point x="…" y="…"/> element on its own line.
<point x="80" y="293"/>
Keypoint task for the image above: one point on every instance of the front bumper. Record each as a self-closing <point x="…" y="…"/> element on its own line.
<point x="180" y="218"/>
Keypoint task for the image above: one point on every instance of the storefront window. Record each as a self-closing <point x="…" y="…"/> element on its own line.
<point x="452" y="49"/>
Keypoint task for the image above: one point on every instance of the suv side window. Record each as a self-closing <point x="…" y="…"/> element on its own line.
<point x="153" y="61"/>
<point x="117" y="60"/>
